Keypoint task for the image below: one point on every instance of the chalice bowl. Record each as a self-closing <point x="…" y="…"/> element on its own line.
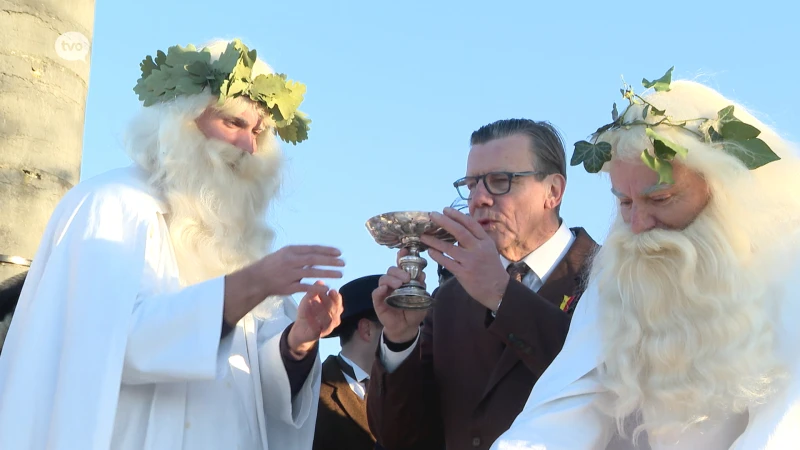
<point x="402" y="229"/>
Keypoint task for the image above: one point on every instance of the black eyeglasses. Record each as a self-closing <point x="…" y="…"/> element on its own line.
<point x="496" y="183"/>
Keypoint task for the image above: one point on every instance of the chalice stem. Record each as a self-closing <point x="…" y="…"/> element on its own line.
<point x="413" y="263"/>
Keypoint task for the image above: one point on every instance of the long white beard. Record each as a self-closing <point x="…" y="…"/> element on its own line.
<point x="218" y="197"/>
<point x="687" y="325"/>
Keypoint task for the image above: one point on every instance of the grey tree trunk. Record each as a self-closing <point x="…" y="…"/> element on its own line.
<point x="43" y="86"/>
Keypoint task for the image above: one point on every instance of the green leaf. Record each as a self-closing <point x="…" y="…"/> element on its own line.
<point x="593" y="156"/>
<point x="753" y="153"/>
<point x="228" y="59"/>
<point x="289" y="100"/>
<point x="725" y="114"/>
<point x="661" y="167"/>
<point x="148" y="66"/>
<point x="187" y="86"/>
<point x="614" y="113"/>
<point x="297" y="131"/>
<point x="661" y="84"/>
<point x="664" y="148"/>
<point x="266" y="87"/>
<point x="737" y="130"/>
<point x="198" y="68"/>
<point x="657" y="112"/>
<point x="645" y="110"/>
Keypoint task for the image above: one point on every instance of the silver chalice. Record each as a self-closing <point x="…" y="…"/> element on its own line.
<point x="402" y="229"/>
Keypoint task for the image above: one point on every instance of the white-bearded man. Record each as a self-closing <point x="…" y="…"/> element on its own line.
<point x="687" y="336"/>
<point x="143" y="322"/>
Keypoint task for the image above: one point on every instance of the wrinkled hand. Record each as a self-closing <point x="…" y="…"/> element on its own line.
<point x="317" y="316"/>
<point x="474" y="261"/>
<point x="399" y="325"/>
<point x="284" y="270"/>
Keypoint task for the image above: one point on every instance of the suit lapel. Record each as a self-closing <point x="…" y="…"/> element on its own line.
<point x="342" y="395"/>
<point x="565" y="280"/>
<point x="568" y="276"/>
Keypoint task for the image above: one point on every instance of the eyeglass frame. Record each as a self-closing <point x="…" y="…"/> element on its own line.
<point x="510" y="175"/>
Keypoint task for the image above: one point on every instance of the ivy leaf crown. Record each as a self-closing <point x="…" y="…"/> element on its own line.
<point x="187" y="71"/>
<point x="737" y="138"/>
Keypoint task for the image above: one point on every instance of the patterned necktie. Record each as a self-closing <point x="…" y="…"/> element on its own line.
<point x="518" y="270"/>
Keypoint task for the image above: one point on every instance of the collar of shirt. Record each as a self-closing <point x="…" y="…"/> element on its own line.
<point x="359" y="372"/>
<point x="544" y="259"/>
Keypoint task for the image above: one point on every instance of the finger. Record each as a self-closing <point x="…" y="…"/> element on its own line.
<point x="379" y="294"/>
<point x="337" y="302"/>
<point x="450" y="264"/>
<point x="464" y="237"/>
<point x="402" y="252"/>
<point x="400" y="274"/>
<point x="390" y="281"/>
<point x="311" y="290"/>
<point x="311" y="249"/>
<point x="326" y="302"/>
<point x="448" y="248"/>
<point x="467" y="222"/>
<point x="315" y="259"/>
<point x="311" y="272"/>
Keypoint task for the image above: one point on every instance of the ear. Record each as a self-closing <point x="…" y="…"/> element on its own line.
<point x="364" y="330"/>
<point x="555" y="190"/>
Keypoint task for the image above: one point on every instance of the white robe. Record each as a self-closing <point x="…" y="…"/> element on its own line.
<point x="560" y="413"/>
<point x="106" y="350"/>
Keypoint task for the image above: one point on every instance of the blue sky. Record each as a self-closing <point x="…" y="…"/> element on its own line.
<point x="395" y="89"/>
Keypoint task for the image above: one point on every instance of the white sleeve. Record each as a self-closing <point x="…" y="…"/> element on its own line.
<point x="775" y="425"/>
<point x="568" y="421"/>
<point x="177" y="336"/>
<point x="290" y="421"/>
<point x="392" y="360"/>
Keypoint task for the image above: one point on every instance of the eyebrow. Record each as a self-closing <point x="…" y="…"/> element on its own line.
<point x="651" y="190"/>
<point x="240" y="122"/>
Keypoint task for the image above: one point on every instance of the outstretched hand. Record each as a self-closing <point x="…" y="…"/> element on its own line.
<point x="284" y="270"/>
<point x="317" y="316"/>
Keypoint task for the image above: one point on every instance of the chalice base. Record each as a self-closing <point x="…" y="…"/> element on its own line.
<point x="410" y="296"/>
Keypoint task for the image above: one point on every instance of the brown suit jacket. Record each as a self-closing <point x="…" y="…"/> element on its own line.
<point x="471" y="374"/>
<point x="342" y="416"/>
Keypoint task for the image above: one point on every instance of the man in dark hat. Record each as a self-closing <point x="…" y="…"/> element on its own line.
<point x="342" y="415"/>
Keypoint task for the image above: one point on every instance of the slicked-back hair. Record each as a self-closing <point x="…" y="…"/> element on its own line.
<point x="547" y="145"/>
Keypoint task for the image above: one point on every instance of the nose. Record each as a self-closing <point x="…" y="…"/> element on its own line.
<point x="247" y="142"/>
<point x="480" y="197"/>
<point x="641" y="220"/>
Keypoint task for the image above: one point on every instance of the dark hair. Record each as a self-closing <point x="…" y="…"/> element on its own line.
<point x="348" y="330"/>
<point x="547" y="145"/>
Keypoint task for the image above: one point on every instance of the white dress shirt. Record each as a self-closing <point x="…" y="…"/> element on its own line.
<point x="542" y="262"/>
<point x="358" y="386"/>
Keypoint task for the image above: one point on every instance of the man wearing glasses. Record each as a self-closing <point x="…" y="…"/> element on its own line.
<point x="461" y="379"/>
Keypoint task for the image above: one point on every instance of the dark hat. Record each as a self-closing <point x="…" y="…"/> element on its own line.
<point x="357" y="301"/>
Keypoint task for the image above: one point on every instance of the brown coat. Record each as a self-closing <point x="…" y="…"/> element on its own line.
<point x="342" y="416"/>
<point x="471" y="375"/>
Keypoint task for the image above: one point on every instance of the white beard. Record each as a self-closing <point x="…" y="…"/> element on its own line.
<point x="686" y="317"/>
<point x="218" y="197"/>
